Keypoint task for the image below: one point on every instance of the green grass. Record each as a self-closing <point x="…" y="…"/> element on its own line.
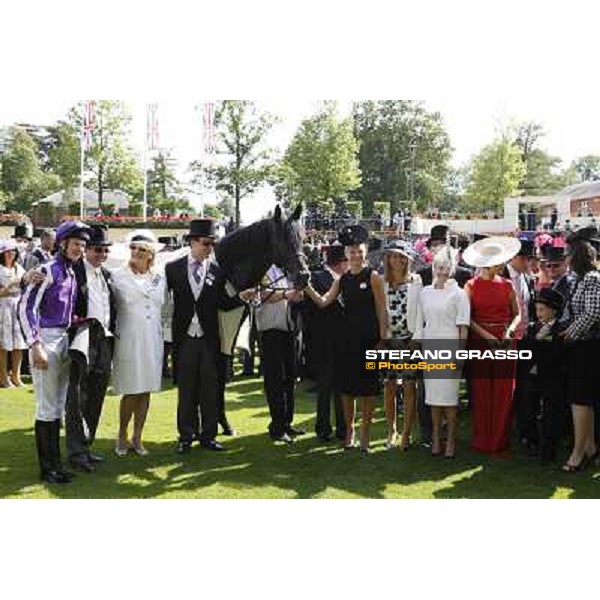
<point x="253" y="467"/>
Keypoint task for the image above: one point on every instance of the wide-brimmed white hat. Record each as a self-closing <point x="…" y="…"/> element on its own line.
<point x="144" y="236"/>
<point x="491" y="251"/>
<point x="6" y="245"/>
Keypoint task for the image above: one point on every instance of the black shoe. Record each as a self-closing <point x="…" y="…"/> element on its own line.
<point x="213" y="445"/>
<point x="54" y="477"/>
<point x="95" y="458"/>
<point x="324" y="438"/>
<point x="284" y="437"/>
<point x="227" y="429"/>
<point x="295" y="431"/>
<point x="183" y="448"/>
<point x="82" y="464"/>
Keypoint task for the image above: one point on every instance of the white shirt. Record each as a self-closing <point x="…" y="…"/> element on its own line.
<point x="273" y="315"/>
<point x="98" y="296"/>
<point x="195" y="329"/>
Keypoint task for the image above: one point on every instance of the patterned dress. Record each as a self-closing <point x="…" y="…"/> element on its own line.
<point x="11" y="337"/>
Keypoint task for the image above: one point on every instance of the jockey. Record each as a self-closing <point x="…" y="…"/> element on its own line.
<point x="45" y="313"/>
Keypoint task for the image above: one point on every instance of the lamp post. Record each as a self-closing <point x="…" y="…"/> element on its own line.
<point x="412" y="146"/>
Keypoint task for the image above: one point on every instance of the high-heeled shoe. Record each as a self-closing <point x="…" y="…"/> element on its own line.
<point x="569" y="468"/>
<point x="593" y="460"/>
<point x="139" y="449"/>
<point x="122" y="451"/>
<point x="391" y="442"/>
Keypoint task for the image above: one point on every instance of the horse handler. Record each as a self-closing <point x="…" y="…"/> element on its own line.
<point x="45" y="313"/>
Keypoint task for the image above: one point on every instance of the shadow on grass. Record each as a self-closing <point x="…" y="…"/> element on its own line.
<point x="254" y="467"/>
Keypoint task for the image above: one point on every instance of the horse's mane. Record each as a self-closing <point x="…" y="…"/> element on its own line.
<point x="237" y="245"/>
<point x="244" y="255"/>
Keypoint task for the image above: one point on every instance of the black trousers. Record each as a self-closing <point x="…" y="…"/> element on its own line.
<point x="223" y="366"/>
<point x="550" y="401"/>
<point x="197" y="382"/>
<point x="326" y="389"/>
<point x="85" y="398"/>
<point x="527" y="405"/>
<point x="278" y="376"/>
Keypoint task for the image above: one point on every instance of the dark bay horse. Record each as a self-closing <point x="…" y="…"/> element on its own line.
<point x="246" y="254"/>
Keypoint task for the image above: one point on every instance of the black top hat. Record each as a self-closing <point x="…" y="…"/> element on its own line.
<point x="439" y="233"/>
<point x="585" y="234"/>
<point x="335" y="254"/>
<point x="552" y="298"/>
<point x="22" y="231"/>
<point x="353" y="235"/>
<point x="463" y="242"/>
<point x="552" y="253"/>
<point x="202" y="228"/>
<point x="99" y="236"/>
<point x="167" y="240"/>
<point x="375" y="244"/>
<point x="527" y="248"/>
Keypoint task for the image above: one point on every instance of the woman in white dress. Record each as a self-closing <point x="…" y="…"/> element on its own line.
<point x="443" y="313"/>
<point x="138" y="357"/>
<point x="11" y="338"/>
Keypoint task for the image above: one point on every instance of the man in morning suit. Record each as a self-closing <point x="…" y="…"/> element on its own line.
<point x="89" y="378"/>
<point x="198" y="289"/>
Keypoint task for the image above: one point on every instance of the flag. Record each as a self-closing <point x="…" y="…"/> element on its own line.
<point x="208" y="120"/>
<point x="152" y="126"/>
<point x="89" y="123"/>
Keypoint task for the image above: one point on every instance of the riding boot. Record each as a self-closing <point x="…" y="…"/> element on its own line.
<point x="55" y="445"/>
<point x="43" y="440"/>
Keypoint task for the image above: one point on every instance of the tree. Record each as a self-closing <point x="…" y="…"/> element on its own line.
<point x="403" y="147"/>
<point x="241" y="145"/>
<point x="64" y="155"/>
<point x="588" y="168"/>
<point x="110" y="159"/>
<point x="162" y="180"/>
<point x="23" y="180"/>
<point x="495" y="174"/>
<point x="542" y="171"/>
<point x="321" y="161"/>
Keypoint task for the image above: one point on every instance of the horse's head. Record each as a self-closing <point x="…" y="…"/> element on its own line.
<point x="288" y="254"/>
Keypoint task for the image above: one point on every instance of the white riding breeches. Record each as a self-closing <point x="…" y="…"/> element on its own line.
<point x="51" y="386"/>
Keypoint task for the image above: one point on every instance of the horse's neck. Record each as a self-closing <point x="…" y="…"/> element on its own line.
<point x="245" y="260"/>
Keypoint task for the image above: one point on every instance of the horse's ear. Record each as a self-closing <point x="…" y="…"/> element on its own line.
<point x="277" y="213"/>
<point x="297" y="212"/>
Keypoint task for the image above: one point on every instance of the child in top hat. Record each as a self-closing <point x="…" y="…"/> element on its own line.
<point x="546" y="375"/>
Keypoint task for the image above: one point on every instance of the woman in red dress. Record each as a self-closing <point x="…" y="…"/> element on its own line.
<point x="494" y="318"/>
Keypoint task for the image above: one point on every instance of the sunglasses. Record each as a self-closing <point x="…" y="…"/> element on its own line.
<point x="99" y="250"/>
<point x="139" y="249"/>
<point x="554" y="265"/>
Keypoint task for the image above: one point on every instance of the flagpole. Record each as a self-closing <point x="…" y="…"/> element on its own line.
<point x="145" y="201"/>
<point x="81" y="165"/>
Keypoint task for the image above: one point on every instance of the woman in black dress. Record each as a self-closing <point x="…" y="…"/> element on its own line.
<point x="582" y="334"/>
<point x="362" y="295"/>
